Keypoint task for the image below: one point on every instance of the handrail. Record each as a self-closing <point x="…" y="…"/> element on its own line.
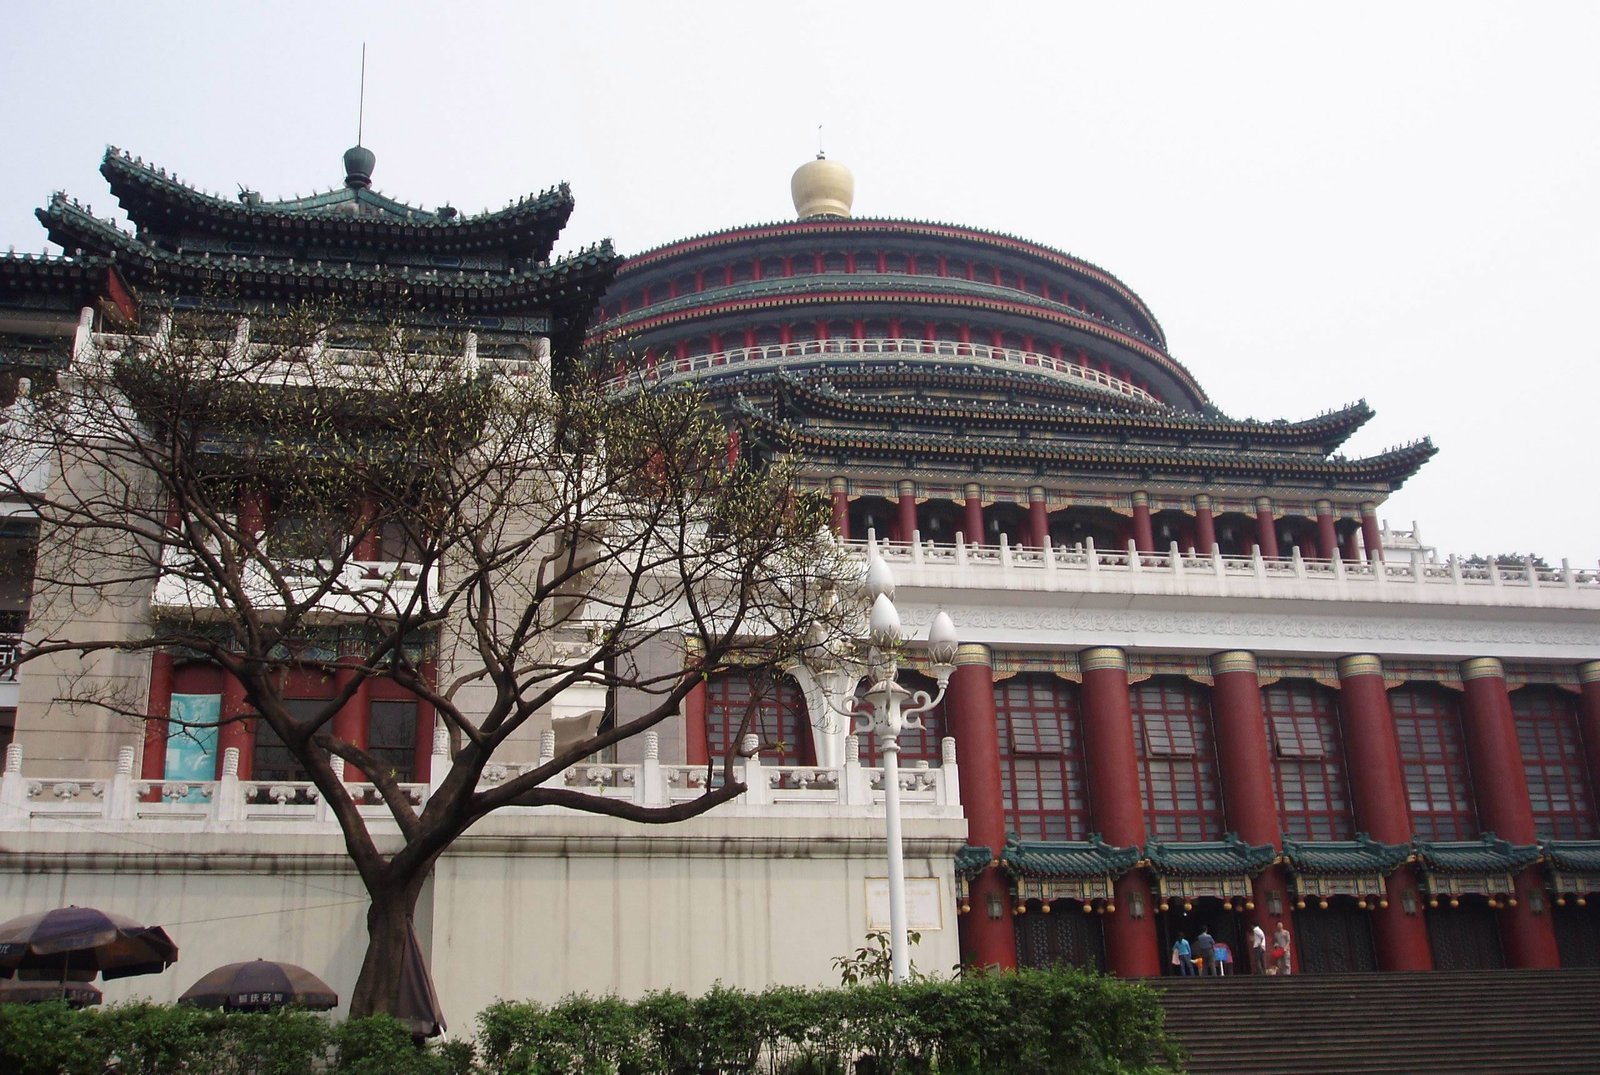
<point x="658" y="371"/>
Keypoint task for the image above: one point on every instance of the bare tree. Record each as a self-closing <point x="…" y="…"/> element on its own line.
<point x="535" y="538"/>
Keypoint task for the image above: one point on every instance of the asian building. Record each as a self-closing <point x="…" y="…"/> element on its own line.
<point x="1200" y="684"/>
<point x="1199" y="690"/>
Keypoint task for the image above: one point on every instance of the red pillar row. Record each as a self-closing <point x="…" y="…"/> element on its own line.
<point x="1501" y="783"/>
<point x="1589" y="718"/>
<point x="1266" y="528"/>
<point x="1117" y="806"/>
<point x="907" y="507"/>
<point x="839" y="491"/>
<point x="969" y="707"/>
<point x="1377" y="786"/>
<point x="1143" y="539"/>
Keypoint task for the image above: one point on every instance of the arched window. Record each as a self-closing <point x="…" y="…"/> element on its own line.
<point x="1433" y="759"/>
<point x="1177" y="759"/>
<point x="1308" y="767"/>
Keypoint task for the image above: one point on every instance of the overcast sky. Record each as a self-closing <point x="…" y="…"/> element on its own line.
<point x="1391" y="201"/>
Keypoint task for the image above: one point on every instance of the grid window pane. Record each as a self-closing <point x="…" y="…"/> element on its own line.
<point x="776" y="712"/>
<point x="1433" y="760"/>
<point x="1308" y="768"/>
<point x="1178" y="764"/>
<point x="1041" y="757"/>
<point x="392" y="737"/>
<point x="1552" y="756"/>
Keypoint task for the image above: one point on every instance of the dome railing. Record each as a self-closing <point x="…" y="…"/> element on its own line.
<point x="662" y="370"/>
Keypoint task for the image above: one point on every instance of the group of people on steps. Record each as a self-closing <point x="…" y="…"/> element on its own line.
<point x="1206" y="956"/>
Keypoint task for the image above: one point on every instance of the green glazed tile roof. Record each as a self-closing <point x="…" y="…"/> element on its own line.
<point x="1574" y="856"/>
<point x="1361" y="855"/>
<point x="1066" y="858"/>
<point x="1229" y="856"/>
<point x="1488" y="855"/>
<point x="972" y="860"/>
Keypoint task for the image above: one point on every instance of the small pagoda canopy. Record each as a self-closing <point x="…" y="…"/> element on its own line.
<point x="1324" y="868"/>
<point x="1574" y="867"/>
<point x="1221" y="868"/>
<point x="1485" y="867"/>
<point x="1066" y="869"/>
<point x="971" y="861"/>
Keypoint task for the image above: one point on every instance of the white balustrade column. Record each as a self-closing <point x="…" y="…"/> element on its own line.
<point x="118" y="805"/>
<point x="755" y="778"/>
<point x="13" y="791"/>
<point x="654" y="785"/>
<point x="950" y="773"/>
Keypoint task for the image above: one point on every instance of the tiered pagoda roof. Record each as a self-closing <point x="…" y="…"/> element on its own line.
<point x="488" y="271"/>
<point x="935" y="427"/>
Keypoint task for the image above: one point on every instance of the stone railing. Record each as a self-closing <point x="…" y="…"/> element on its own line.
<point x="1086" y="568"/>
<point x="364" y="587"/>
<point x="122" y="799"/>
<point x="777" y="354"/>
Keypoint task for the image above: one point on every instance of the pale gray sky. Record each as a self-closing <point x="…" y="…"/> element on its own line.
<point x="1395" y="201"/>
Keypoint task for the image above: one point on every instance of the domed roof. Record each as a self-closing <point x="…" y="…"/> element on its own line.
<point x="822" y="190"/>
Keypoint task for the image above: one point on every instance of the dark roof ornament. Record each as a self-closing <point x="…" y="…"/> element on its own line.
<point x="358" y="163"/>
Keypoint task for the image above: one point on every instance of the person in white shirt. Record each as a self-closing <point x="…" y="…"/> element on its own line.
<point x="1258" y="949"/>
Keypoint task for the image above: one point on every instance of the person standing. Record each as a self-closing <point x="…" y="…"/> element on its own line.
<point x="1258" y="949"/>
<point x="1181" y="956"/>
<point x="1205" y="951"/>
<point x="1280" y="949"/>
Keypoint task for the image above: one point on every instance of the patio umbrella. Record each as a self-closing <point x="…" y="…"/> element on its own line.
<point x="75" y="943"/>
<point x="260" y="985"/>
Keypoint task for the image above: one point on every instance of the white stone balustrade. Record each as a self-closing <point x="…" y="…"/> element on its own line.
<point x="1175" y="573"/>
<point x="120" y="800"/>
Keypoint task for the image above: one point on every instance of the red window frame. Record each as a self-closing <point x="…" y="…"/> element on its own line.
<point x="1552" y="756"/>
<point x="1042" y="774"/>
<point x="1433" y="762"/>
<point x="780" y="718"/>
<point x="1308" y="764"/>
<point x="1181" y="791"/>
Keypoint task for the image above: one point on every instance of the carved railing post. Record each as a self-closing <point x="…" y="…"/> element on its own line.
<point x="756" y="792"/>
<point x="13" y="792"/>
<point x="118" y="804"/>
<point x="950" y="773"/>
<point x="653" y="789"/>
<point x="439" y="765"/>
<point x="853" y="785"/>
<point x="227" y="802"/>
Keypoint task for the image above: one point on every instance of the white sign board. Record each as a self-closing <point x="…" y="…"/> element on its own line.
<point x="924" y="903"/>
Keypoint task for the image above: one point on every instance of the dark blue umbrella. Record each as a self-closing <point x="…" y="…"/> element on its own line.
<point x="260" y="985"/>
<point x="76" y="943"/>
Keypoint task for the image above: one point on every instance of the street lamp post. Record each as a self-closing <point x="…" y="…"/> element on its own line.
<point x="886" y="709"/>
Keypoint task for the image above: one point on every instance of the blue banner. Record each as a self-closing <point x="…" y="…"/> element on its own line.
<point x="192" y="740"/>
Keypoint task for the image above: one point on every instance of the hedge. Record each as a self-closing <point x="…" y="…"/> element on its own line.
<point x="1056" y="1022"/>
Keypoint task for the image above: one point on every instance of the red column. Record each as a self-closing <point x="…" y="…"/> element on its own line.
<point x="350" y="723"/>
<point x="839" y="491"/>
<point x="235" y="732"/>
<point x="1589" y="718"/>
<point x="368" y="547"/>
<point x="1118" y="809"/>
<point x="1501" y="784"/>
<point x="1372" y="758"/>
<point x="153" y="765"/>
<point x="907" y="505"/>
<point x="1327" y="538"/>
<point x="252" y="512"/>
<point x="969" y="707"/>
<point x="1143" y="539"/>
<point x="695" y="749"/>
<point x="1266" y="528"/>
<point x="972" y="528"/>
<point x="1352" y="546"/>
<point x="1244" y="760"/>
<point x="1205" y="529"/>
<point x="1038" y="517"/>
<point x="1369" y="533"/>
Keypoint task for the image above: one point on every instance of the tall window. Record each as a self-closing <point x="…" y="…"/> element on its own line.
<point x="1433" y="759"/>
<point x="777" y="714"/>
<point x="1177" y="760"/>
<point x="1308" y="771"/>
<point x="1041" y="757"/>
<point x="1552" y="756"/>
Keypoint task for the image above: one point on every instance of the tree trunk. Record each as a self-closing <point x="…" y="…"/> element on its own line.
<point x="388" y="923"/>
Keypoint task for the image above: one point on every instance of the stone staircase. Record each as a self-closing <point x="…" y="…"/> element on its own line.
<point x="1510" y="1022"/>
